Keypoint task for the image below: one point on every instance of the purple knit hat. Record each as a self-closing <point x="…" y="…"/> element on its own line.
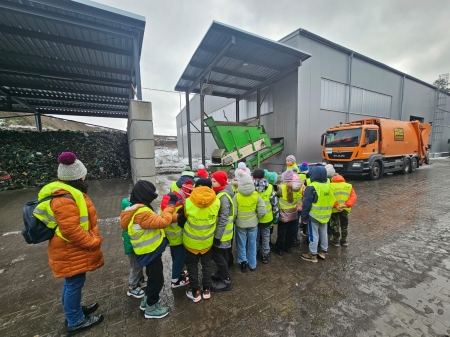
<point x="287" y="175"/>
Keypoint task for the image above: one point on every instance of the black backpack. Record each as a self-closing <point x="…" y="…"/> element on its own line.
<point x="35" y="230"/>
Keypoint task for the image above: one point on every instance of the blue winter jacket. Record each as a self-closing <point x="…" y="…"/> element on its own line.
<point x="319" y="174"/>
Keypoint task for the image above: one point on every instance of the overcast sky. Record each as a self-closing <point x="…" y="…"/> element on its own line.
<point x="411" y="36"/>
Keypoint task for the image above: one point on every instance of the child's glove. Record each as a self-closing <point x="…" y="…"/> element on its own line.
<point x="275" y="221"/>
<point x="173" y="199"/>
<point x="216" y="242"/>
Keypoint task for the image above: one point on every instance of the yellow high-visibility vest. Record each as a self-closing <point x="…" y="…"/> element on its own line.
<point x="174" y="187"/>
<point x="283" y="200"/>
<point x="200" y="225"/>
<point x="321" y="210"/>
<point x="246" y="206"/>
<point x="144" y="241"/>
<point x="44" y="212"/>
<point x="265" y="196"/>
<point x="342" y="193"/>
<point x="228" y="232"/>
<point x="174" y="233"/>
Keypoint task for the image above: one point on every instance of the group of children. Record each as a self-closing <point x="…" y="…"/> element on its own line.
<point x="202" y="216"/>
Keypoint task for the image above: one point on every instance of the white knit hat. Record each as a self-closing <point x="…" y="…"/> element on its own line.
<point x="70" y="168"/>
<point x="331" y="172"/>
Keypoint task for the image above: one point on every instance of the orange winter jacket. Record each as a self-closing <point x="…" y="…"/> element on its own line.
<point x="82" y="253"/>
<point x="148" y="220"/>
<point x="352" y="199"/>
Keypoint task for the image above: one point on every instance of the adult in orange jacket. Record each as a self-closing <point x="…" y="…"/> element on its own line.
<point x="345" y="199"/>
<point x="75" y="247"/>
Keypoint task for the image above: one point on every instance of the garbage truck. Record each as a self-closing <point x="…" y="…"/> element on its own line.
<point x="374" y="146"/>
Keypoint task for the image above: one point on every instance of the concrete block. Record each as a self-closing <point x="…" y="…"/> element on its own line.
<point x="143" y="167"/>
<point x="140" y="130"/>
<point x="139" y="110"/>
<point x="142" y="149"/>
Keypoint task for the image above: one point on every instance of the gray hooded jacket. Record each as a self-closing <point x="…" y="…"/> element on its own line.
<point x="246" y="188"/>
<point x="222" y="220"/>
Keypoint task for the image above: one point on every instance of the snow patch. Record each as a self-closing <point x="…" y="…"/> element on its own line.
<point x="11" y="233"/>
<point x="17" y="259"/>
<point x="168" y="161"/>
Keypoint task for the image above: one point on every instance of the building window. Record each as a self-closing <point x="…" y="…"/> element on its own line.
<point x="334" y="96"/>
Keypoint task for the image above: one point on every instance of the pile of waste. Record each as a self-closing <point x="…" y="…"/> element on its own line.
<point x="29" y="159"/>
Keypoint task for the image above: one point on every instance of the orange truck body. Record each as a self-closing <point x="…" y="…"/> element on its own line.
<point x="374" y="146"/>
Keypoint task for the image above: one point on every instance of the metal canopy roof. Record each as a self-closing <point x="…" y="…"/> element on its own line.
<point x="68" y="57"/>
<point x="237" y="63"/>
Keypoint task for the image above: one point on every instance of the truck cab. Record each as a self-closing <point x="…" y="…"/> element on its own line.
<point x="349" y="149"/>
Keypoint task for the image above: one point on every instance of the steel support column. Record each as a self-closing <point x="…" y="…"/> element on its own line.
<point x="188" y="127"/>
<point x="347" y="117"/>
<point x="202" y="123"/>
<point x="403" y="94"/>
<point x="258" y="104"/>
<point x="137" y="66"/>
<point x="37" y="118"/>
<point x="237" y="109"/>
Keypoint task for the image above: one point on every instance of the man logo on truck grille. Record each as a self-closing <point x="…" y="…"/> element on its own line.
<point x="398" y="134"/>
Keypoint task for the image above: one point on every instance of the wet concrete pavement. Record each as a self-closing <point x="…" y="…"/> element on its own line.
<point x="392" y="280"/>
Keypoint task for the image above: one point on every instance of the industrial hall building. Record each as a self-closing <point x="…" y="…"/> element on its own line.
<point x="328" y="84"/>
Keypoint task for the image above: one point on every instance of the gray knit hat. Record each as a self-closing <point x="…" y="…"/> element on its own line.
<point x="70" y="168"/>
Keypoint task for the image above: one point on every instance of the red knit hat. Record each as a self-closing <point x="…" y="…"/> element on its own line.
<point x="202" y="173"/>
<point x="187" y="187"/>
<point x="221" y="177"/>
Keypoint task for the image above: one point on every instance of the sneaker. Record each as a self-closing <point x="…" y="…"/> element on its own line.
<point x="334" y="242"/>
<point x="143" y="304"/>
<point x="344" y="243"/>
<point x="184" y="273"/>
<point x="87" y="323"/>
<point x="276" y="251"/>
<point x="156" y="311"/>
<point x="182" y="281"/>
<point x="288" y="250"/>
<point x="135" y="292"/>
<point x="206" y="294"/>
<point x="265" y="258"/>
<point x="222" y="285"/>
<point x="143" y="283"/>
<point x="87" y="310"/>
<point x="251" y="269"/>
<point x="194" y="296"/>
<point x="309" y="257"/>
<point x="322" y="254"/>
<point x="243" y="267"/>
<point x="296" y="242"/>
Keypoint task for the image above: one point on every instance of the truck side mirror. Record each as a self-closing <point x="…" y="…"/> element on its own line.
<point x="323" y="136"/>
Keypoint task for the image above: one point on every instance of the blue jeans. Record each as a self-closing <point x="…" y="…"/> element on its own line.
<point x="246" y="245"/>
<point x="317" y="231"/>
<point x="178" y="254"/>
<point x="71" y="299"/>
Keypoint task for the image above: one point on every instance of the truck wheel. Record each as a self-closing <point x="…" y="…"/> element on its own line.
<point x="375" y="171"/>
<point x="413" y="164"/>
<point x="406" y="166"/>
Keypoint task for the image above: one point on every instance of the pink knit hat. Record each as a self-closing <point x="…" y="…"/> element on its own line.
<point x="287" y="175"/>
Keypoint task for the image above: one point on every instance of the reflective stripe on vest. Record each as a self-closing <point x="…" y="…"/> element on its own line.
<point x="246" y="206"/>
<point x="174" y="233"/>
<point x="321" y="210"/>
<point x="265" y="196"/>
<point x="199" y="229"/>
<point x="342" y="193"/>
<point x="174" y="187"/>
<point x="144" y="241"/>
<point x="228" y="231"/>
<point x="283" y="200"/>
<point x="44" y="212"/>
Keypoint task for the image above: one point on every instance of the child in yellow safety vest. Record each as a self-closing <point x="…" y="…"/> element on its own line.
<point x="145" y="229"/>
<point x="304" y="170"/>
<point x="288" y="199"/>
<point x="185" y="175"/>
<point x="199" y="223"/>
<point x="223" y="235"/>
<point x="268" y="194"/>
<point x="291" y="163"/>
<point x="318" y="201"/>
<point x="174" y="233"/>
<point x="345" y="199"/>
<point x="249" y="208"/>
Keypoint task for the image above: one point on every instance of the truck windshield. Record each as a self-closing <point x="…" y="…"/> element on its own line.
<point x="343" y="138"/>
